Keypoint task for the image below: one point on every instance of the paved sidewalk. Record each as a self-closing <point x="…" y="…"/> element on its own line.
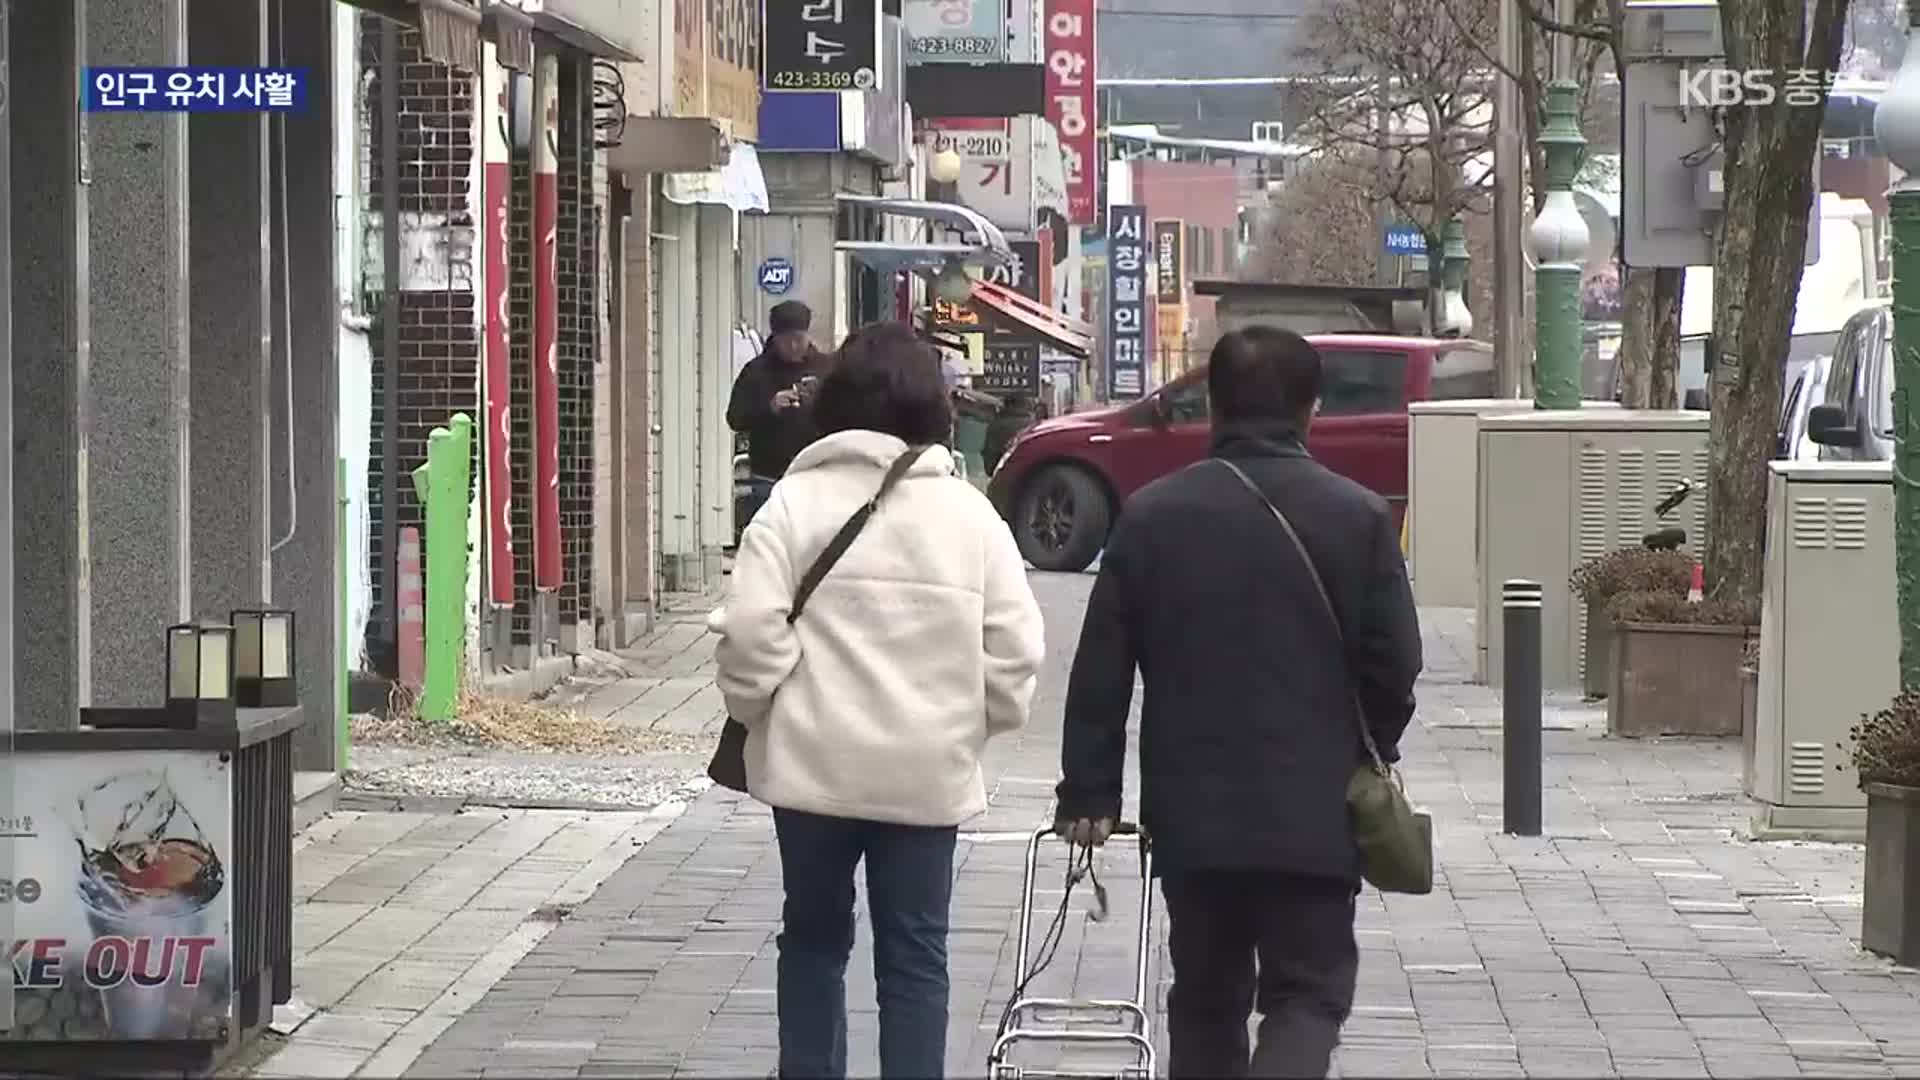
<point x="1642" y="937"/>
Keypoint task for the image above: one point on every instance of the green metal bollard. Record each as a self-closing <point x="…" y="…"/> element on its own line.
<point x="443" y="485"/>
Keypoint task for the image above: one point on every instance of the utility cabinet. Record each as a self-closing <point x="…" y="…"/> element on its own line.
<point x="1558" y="488"/>
<point x="1443" y="474"/>
<point x="1829" y="643"/>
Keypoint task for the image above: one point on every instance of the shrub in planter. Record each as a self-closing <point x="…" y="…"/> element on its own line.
<point x="1886" y="755"/>
<point x="1676" y="664"/>
<point x="1599" y="580"/>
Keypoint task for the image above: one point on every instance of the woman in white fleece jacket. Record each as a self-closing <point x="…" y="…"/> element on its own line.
<point x="867" y="714"/>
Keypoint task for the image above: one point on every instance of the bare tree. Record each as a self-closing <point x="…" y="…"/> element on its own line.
<point x="1319" y="229"/>
<point x="1757" y="266"/>
<point x="1402" y="80"/>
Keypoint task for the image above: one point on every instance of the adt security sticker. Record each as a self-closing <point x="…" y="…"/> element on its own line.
<point x="776" y="276"/>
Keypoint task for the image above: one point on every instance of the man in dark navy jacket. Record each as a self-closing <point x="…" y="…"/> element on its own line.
<point x="1249" y="727"/>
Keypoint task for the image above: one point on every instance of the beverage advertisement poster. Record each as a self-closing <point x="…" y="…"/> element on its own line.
<point x="120" y="897"/>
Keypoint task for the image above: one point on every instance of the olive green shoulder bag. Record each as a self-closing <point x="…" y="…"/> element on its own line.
<point x="1395" y="840"/>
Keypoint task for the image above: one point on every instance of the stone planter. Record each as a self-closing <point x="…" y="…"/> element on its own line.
<point x="1890" y="906"/>
<point x="1676" y="680"/>
<point x="1598" y="679"/>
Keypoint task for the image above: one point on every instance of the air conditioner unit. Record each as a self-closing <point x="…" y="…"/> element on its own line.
<point x="1443" y="472"/>
<point x="1558" y="488"/>
<point x="1829" y="643"/>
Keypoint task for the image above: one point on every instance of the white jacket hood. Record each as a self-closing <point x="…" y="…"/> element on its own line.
<point x="922" y="642"/>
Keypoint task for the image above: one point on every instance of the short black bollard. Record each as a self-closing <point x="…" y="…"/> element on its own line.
<point x="1520" y="707"/>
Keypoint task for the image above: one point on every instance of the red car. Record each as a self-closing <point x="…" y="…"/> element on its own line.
<point x="1062" y="481"/>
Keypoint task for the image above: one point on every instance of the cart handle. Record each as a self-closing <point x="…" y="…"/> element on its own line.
<point x="1142" y="941"/>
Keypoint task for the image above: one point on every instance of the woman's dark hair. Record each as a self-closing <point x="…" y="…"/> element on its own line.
<point x="1263" y="373"/>
<point x="886" y="379"/>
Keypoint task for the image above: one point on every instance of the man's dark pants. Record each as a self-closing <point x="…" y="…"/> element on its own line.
<point x="909" y="892"/>
<point x="1300" y="929"/>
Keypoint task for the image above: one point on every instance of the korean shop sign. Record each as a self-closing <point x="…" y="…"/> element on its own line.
<point x="1023" y="274"/>
<point x="1126" y="302"/>
<point x="1167" y="261"/>
<point x="955" y="31"/>
<point x="1070" y="60"/>
<point x="996" y="171"/>
<point x="821" y="45"/>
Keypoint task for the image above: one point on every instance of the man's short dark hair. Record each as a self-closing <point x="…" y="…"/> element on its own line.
<point x="790" y="316"/>
<point x="1263" y="373"/>
<point x="884" y="378"/>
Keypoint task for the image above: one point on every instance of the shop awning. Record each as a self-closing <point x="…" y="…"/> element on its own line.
<point x="738" y="184"/>
<point x="449" y="29"/>
<point x="1017" y="314"/>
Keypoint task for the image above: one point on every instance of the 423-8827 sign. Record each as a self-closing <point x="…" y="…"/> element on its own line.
<point x="821" y="45"/>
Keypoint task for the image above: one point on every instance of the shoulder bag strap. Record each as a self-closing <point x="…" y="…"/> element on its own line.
<point x="1319" y="586"/>
<point x="843" y="539"/>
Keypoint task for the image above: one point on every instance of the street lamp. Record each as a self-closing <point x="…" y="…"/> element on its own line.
<point x="944" y="166"/>
<point x="952" y="284"/>
<point x="1896" y="127"/>
<point x="1560" y="240"/>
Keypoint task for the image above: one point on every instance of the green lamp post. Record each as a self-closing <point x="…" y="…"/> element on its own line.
<point x="1560" y="242"/>
<point x="1896" y="127"/>
<point x="1456" y="317"/>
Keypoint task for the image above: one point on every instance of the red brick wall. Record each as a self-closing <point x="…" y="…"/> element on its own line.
<point x="1205" y="196"/>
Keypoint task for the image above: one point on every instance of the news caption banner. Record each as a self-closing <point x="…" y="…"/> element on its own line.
<point x="121" y="907"/>
<point x="196" y="89"/>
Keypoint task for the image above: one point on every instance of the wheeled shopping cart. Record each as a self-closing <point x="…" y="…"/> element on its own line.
<point x="1122" y="1026"/>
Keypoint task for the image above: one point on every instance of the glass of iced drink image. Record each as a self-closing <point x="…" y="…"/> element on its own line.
<point x="147" y="877"/>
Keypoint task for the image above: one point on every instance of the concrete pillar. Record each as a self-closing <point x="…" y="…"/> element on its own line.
<point x="631" y="428"/>
<point x="47" y="209"/>
<point x="306" y="517"/>
<point x="229" y="301"/>
<point x="136" y="383"/>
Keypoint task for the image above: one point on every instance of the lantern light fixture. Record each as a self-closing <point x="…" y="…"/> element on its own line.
<point x="200" y="675"/>
<point x="952" y="284"/>
<point x="943" y="167"/>
<point x="263" y="675"/>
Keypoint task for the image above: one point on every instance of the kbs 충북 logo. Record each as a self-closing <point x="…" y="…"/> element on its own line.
<point x="1753" y="87"/>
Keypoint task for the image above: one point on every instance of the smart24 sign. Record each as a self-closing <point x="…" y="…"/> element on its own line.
<point x="1071" y="60"/>
<point x="1126" y="302"/>
<point x="821" y="45"/>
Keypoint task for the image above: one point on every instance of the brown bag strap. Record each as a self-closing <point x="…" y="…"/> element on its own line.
<point x="1326" y="601"/>
<point x="844" y="539"/>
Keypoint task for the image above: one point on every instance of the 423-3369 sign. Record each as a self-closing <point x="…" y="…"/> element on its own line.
<point x="820" y="45"/>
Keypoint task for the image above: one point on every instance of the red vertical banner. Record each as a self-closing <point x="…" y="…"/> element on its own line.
<point x="546" y="325"/>
<point x="1071" y="104"/>
<point x="496" y="179"/>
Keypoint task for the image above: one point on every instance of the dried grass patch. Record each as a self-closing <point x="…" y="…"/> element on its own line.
<point x="497" y="723"/>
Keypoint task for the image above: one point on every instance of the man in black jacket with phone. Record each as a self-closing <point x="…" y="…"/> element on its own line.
<point x="772" y="398"/>
<point x="1250" y="726"/>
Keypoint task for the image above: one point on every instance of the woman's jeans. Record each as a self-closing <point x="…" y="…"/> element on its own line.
<point x="909" y="889"/>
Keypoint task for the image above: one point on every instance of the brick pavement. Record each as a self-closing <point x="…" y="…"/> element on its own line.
<point x="1641" y="937"/>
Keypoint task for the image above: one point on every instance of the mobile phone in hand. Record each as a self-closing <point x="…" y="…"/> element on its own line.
<point x="808" y="384"/>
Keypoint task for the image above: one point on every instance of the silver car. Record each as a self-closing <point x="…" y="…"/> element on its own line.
<point x="1854" y="421"/>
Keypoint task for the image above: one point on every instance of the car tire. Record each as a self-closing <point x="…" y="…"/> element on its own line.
<point x="1061" y="519"/>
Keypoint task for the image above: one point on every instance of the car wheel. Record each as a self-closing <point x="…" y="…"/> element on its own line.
<point x="1062" y="518"/>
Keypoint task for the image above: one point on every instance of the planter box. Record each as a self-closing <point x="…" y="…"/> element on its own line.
<point x="1890" y="906"/>
<point x="1676" y="680"/>
<point x="1598" y="678"/>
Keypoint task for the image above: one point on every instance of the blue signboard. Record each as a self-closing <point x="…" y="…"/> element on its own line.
<point x="196" y="89"/>
<point x="1127" y="301"/>
<point x="1406" y="240"/>
<point x="776" y="276"/>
